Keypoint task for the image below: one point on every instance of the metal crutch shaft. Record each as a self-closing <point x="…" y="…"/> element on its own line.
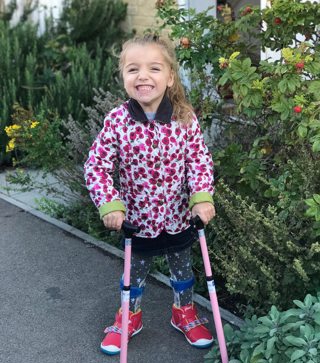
<point x="212" y="290"/>
<point x="129" y="230"/>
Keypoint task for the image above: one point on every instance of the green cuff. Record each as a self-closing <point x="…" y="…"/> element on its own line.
<point x="114" y="206"/>
<point x="200" y="197"/>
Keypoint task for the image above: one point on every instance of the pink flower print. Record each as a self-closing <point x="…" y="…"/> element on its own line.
<point x="126" y="148"/>
<point x="132" y="136"/>
<point x="166" y="131"/>
<point x="142" y="147"/>
<point x="195" y="147"/>
<point x="155" y="174"/>
<point x="173" y="140"/>
<point x="201" y="168"/>
<point x="165" y="141"/>
<point x="102" y="152"/>
<point x="136" y="149"/>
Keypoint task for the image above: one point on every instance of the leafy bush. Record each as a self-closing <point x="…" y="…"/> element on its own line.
<point x="278" y="337"/>
<point x="265" y="239"/>
<point x="57" y="70"/>
<point x="38" y="141"/>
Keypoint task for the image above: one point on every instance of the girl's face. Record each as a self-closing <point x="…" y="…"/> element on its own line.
<point x="146" y="75"/>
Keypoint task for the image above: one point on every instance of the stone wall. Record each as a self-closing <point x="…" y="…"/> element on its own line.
<point x="140" y="15"/>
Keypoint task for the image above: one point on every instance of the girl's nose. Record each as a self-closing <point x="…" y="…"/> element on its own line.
<point x="143" y="75"/>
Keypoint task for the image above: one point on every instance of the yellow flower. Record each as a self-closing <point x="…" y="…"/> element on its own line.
<point x="234" y="55"/>
<point x="10" y="130"/>
<point x="223" y="63"/>
<point x="34" y="124"/>
<point x="11" y="145"/>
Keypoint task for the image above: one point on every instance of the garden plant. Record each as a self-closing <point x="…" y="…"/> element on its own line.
<point x="265" y="239"/>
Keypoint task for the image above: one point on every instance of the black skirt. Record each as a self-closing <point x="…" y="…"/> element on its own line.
<point x="164" y="243"/>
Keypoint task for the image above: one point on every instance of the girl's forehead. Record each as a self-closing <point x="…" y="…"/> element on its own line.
<point x="136" y="52"/>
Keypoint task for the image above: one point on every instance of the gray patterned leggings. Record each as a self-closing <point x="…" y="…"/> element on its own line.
<point x="180" y="266"/>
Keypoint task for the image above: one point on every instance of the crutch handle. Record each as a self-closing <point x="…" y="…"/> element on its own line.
<point x="129" y="229"/>
<point x="197" y="222"/>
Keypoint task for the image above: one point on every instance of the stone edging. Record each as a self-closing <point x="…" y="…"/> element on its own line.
<point x="225" y="314"/>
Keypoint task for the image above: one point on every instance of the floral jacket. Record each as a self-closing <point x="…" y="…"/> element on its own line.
<point x="164" y="168"/>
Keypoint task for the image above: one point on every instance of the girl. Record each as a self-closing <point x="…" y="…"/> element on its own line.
<point x="166" y="176"/>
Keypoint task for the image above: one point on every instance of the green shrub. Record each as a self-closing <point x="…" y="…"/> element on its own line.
<point x="56" y="71"/>
<point x="39" y="142"/>
<point x="264" y="242"/>
<point x="278" y="337"/>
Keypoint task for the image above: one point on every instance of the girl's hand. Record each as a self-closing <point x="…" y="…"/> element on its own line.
<point x="114" y="220"/>
<point x="205" y="211"/>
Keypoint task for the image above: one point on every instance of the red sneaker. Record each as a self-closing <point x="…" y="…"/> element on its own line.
<point x="112" y="342"/>
<point x="185" y="319"/>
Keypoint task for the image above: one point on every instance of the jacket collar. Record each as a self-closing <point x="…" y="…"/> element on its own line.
<point x="163" y="114"/>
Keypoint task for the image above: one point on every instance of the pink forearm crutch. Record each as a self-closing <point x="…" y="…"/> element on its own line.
<point x="129" y="230"/>
<point x="212" y="290"/>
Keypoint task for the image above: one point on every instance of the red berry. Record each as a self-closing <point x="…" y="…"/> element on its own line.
<point x="297" y="109"/>
<point x="185" y="42"/>
<point x="299" y="65"/>
<point x="277" y="21"/>
<point x="247" y="10"/>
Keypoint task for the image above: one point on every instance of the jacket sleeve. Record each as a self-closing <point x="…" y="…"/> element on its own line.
<point x="199" y="166"/>
<point x="98" y="170"/>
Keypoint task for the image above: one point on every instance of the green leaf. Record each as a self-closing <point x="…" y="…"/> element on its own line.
<point x="270" y="345"/>
<point x="283" y="86"/>
<point x="313" y="351"/>
<point x="295" y="341"/>
<point x="314" y="88"/>
<point x="261" y="329"/>
<point x="302" y="131"/>
<point x="316" y="146"/>
<point x="258" y="350"/>
<point x="297" y="354"/>
<point x="316" y="197"/>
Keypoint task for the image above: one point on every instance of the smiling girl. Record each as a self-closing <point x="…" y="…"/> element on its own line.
<point x="166" y="177"/>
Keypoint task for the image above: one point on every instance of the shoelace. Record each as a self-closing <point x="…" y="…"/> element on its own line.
<point x="194" y="324"/>
<point x="113" y="329"/>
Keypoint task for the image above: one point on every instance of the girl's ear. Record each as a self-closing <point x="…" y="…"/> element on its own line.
<point x="170" y="80"/>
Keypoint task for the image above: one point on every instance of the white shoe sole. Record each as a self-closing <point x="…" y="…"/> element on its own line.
<point x="201" y="343"/>
<point x="113" y="349"/>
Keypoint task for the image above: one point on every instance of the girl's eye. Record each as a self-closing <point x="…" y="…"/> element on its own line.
<point x="157" y="69"/>
<point x="132" y="70"/>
